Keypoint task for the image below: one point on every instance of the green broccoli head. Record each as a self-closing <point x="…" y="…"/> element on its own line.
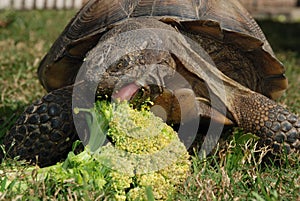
<point x="144" y="152"/>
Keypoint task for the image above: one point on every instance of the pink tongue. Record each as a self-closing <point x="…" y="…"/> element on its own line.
<point x="126" y="92"/>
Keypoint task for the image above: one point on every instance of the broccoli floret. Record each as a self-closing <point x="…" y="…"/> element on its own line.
<point x="146" y="150"/>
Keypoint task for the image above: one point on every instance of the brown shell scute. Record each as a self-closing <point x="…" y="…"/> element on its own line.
<point x="182" y="9"/>
<point x="226" y="21"/>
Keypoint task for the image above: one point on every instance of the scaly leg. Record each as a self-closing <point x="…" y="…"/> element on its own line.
<point x="45" y="131"/>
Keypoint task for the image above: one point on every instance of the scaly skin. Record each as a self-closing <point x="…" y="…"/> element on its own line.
<point x="274" y="124"/>
<point x="45" y="129"/>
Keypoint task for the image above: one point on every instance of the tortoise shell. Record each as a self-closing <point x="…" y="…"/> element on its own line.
<point x="219" y="23"/>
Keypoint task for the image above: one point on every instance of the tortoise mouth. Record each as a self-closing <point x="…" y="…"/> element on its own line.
<point x="127" y="92"/>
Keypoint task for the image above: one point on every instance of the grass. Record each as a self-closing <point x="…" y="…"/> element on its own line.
<point x="23" y="43"/>
<point x="237" y="173"/>
<point x="27" y="36"/>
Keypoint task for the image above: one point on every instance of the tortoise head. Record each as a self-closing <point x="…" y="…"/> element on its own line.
<point x="150" y="56"/>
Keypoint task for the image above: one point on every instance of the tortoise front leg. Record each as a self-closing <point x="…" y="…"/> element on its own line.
<point x="45" y="131"/>
<point x="275" y="125"/>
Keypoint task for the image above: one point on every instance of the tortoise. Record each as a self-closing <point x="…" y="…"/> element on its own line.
<point x="214" y="45"/>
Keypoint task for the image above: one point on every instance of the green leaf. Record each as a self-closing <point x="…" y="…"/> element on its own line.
<point x="98" y="122"/>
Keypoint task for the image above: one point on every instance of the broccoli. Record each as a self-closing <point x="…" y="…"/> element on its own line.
<point x="144" y="151"/>
<point x="143" y="160"/>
